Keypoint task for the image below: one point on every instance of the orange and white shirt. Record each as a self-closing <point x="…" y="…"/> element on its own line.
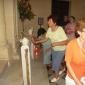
<point x="76" y="59"/>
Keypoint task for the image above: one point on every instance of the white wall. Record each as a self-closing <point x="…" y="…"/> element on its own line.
<point x="77" y="8"/>
<point x="41" y="8"/>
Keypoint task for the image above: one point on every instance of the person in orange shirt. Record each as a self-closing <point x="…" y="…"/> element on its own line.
<point x="75" y="57"/>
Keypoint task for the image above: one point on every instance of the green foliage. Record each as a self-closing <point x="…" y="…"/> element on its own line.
<point x="25" y="10"/>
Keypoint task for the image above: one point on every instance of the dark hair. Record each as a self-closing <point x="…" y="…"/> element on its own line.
<point x="73" y="18"/>
<point x="41" y="31"/>
<point x="54" y="18"/>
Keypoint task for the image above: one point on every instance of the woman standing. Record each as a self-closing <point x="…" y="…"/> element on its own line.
<point x="75" y="57"/>
<point x="58" y="44"/>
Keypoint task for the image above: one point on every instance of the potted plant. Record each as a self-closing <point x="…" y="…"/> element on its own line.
<point x="25" y="11"/>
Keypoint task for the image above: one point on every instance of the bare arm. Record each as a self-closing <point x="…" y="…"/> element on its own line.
<point x="73" y="74"/>
<point x="60" y="43"/>
<point x="42" y="40"/>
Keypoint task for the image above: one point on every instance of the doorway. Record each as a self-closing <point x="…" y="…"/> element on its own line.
<point x="60" y="8"/>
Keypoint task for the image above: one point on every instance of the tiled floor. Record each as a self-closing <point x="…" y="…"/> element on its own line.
<point x="3" y="65"/>
<point x="39" y="73"/>
<point x="13" y="74"/>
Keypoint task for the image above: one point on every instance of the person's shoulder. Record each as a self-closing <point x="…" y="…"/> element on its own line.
<point x="60" y="27"/>
<point x="72" y="42"/>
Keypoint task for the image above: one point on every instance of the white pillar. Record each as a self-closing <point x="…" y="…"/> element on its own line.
<point x="10" y="21"/>
<point x="3" y="41"/>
